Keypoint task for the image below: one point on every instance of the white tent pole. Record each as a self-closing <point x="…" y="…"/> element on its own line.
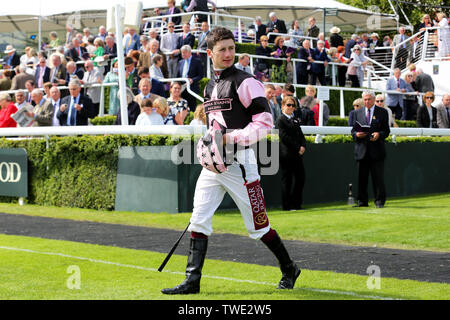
<point x="40" y="26"/>
<point x="120" y="58"/>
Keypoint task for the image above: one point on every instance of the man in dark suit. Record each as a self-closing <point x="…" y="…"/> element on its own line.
<point x="313" y="30"/>
<point x="75" y="108"/>
<point x="186" y="38"/>
<point x="73" y="71"/>
<point x="304" y="68"/>
<point x="173" y="10"/>
<point x="201" y="45"/>
<point x="58" y="72"/>
<point x="318" y="69"/>
<point x="191" y="68"/>
<point x="260" y="29"/>
<point x="157" y="87"/>
<point x="350" y="44"/>
<point x="77" y="52"/>
<point x="424" y="82"/>
<point x="292" y="148"/>
<point x="42" y="74"/>
<point x="370" y="149"/>
<point x="275" y="25"/>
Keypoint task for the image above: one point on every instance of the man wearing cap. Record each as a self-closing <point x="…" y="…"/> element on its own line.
<point x="13" y="59"/>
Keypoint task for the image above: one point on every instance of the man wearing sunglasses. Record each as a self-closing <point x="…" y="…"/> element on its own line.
<point x="169" y="46"/>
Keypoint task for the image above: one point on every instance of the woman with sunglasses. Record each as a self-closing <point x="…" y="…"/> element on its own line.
<point x="262" y="65"/>
<point x="292" y="148"/>
<point x="279" y="66"/>
<point x="409" y="101"/>
<point x="355" y="70"/>
<point x="427" y="114"/>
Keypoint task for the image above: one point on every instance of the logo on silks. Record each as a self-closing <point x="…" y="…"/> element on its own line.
<point x="210" y="151"/>
<point x="10" y="172"/>
<point x="258" y="205"/>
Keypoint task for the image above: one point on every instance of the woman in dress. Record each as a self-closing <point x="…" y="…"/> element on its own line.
<point x="279" y="66"/>
<point x="176" y="102"/>
<point x="443" y="35"/>
<point x="113" y="77"/>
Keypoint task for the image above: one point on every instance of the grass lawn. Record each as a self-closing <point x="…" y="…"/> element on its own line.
<point x="421" y="223"/>
<point x="34" y="268"/>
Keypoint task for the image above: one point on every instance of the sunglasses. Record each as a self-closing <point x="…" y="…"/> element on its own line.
<point x="429" y="98"/>
<point x="356" y="105"/>
<point x="171" y="26"/>
<point x="290" y="105"/>
<point x="379" y="100"/>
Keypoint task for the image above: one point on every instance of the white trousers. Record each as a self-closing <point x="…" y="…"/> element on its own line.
<point x="211" y="188"/>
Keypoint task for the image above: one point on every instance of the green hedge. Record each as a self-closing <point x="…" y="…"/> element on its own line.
<point x="81" y="171"/>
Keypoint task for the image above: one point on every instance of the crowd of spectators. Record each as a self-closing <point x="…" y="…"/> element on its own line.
<point x="84" y="59"/>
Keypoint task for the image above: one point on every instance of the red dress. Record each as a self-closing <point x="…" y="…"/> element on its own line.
<point x="5" y="116"/>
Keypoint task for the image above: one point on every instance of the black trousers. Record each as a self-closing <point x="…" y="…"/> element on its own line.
<point x="342" y="73"/>
<point x="355" y="80"/>
<point x="397" y="111"/>
<point x="368" y="166"/>
<point x="292" y="182"/>
<point x="320" y="77"/>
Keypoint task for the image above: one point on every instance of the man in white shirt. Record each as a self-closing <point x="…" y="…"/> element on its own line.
<point x="243" y="63"/>
<point x="55" y="99"/>
<point x="20" y="100"/>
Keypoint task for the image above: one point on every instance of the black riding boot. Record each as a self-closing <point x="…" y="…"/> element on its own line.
<point x="194" y="267"/>
<point x="290" y="271"/>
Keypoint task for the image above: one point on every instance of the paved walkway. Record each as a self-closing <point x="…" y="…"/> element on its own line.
<point x="402" y="264"/>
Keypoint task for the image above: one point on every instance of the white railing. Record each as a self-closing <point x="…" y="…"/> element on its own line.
<point x="342" y="89"/>
<point x="287" y="35"/>
<point x="102" y="87"/>
<point x="188" y="130"/>
<point x="212" y="18"/>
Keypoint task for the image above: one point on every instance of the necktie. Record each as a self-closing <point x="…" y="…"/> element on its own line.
<point x="71" y="119"/>
<point x="41" y="77"/>
<point x="185" y="68"/>
<point x="398" y="83"/>
<point x="368" y="117"/>
<point x="448" y="115"/>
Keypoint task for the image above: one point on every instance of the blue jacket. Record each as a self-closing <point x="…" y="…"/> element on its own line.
<point x="135" y="43"/>
<point x="393" y="99"/>
<point x="319" y="56"/>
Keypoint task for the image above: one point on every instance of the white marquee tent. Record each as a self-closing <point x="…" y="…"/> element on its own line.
<point x="22" y="16"/>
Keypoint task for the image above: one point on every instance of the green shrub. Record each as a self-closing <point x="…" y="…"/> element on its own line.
<point x="81" y="171"/>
